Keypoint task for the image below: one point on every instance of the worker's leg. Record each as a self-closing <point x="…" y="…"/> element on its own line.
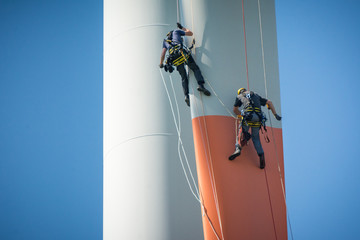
<point x="199" y="77"/>
<point x="195" y="68"/>
<point x="184" y="78"/>
<point x="237" y="143"/>
<point x="245" y="135"/>
<point x="239" y="133"/>
<point x="256" y="140"/>
<point x="255" y="135"/>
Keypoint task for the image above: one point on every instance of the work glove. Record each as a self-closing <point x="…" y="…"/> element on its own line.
<point x="277" y="117"/>
<point x="161" y="65"/>
<point x="179" y="25"/>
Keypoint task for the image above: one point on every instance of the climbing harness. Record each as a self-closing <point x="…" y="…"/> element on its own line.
<point x="178" y="53"/>
<point x="249" y="110"/>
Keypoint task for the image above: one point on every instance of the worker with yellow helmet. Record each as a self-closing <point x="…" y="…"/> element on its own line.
<point x="251" y="115"/>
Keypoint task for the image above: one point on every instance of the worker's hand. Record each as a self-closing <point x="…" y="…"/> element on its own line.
<point x="239" y="116"/>
<point x="267" y="105"/>
<point x="179" y="25"/>
<point x="161" y="65"/>
<point x="277" y="117"/>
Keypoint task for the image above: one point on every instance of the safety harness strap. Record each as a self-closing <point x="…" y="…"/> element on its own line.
<point x="181" y="59"/>
<point x="249" y="111"/>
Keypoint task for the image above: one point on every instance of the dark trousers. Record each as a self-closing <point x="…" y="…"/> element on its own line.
<point x="195" y="68"/>
<point x="255" y="134"/>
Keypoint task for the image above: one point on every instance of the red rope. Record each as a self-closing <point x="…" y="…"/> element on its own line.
<point x="272" y="213"/>
<point x="247" y="78"/>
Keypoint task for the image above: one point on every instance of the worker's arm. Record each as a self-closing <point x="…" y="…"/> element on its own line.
<point x="187" y="31"/>
<point x="272" y="108"/>
<point x="162" y="57"/>
<point x="237" y="111"/>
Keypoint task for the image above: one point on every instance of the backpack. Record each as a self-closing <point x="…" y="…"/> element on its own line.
<point x="246" y="100"/>
<point x="249" y="107"/>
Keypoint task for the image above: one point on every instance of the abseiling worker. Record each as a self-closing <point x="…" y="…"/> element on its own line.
<point x="252" y="117"/>
<point x="179" y="55"/>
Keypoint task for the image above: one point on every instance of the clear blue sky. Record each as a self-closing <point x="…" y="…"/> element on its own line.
<point x="51" y="117"/>
<point x="319" y="65"/>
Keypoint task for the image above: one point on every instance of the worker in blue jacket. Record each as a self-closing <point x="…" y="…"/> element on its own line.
<point x="179" y="55"/>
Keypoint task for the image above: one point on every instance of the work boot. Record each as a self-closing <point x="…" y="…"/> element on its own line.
<point x="262" y="161"/>
<point x="187" y="100"/>
<point x="235" y="154"/>
<point x="201" y="88"/>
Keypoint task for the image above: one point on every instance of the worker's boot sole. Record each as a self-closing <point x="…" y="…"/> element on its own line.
<point x="204" y="90"/>
<point x="235" y="154"/>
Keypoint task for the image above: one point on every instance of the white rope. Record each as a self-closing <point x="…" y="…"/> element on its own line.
<point x="213" y="185"/>
<point x="211" y="172"/>
<point x="262" y="50"/>
<point x="212" y="168"/>
<point x="180" y="142"/>
<point x="272" y="132"/>
<point x="200" y="201"/>
<point x="209" y="220"/>
<point x="177" y="106"/>
<point x="219" y="99"/>
<point x="212" y="178"/>
<point x="281" y="178"/>
<point x="179" y="139"/>
<point x="178" y="11"/>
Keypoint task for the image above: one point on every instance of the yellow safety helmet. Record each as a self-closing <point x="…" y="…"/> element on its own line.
<point x="241" y="90"/>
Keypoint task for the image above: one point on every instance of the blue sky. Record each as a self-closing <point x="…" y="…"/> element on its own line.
<point x="318" y="45"/>
<point x="51" y="117"/>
